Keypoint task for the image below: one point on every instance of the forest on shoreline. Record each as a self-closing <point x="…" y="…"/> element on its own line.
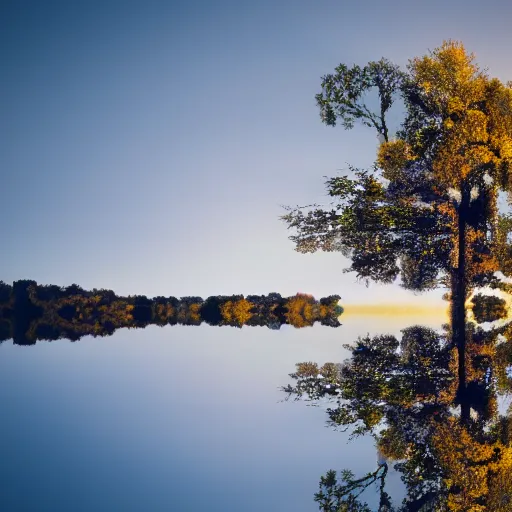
<point x="30" y="312"/>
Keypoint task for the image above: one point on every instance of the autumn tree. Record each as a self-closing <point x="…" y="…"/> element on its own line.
<point x="427" y="211"/>
<point x="301" y="310"/>
<point x="381" y="375"/>
<point x="236" y="312"/>
<point x="402" y="393"/>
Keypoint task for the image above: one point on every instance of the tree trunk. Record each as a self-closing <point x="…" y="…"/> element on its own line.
<point x="459" y="296"/>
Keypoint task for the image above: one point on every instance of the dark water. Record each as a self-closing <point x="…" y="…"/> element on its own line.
<point x="174" y="418"/>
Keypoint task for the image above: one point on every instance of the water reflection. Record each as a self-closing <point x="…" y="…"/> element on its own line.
<point x="30" y="312"/>
<point x="447" y="438"/>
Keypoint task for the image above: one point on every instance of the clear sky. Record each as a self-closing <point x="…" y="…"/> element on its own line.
<point x="146" y="146"/>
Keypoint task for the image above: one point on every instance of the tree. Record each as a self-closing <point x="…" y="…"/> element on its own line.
<point x="427" y="210"/>
<point x="301" y="310"/>
<point x="236" y="312"/>
<point x="382" y="375"/>
<point x="401" y="392"/>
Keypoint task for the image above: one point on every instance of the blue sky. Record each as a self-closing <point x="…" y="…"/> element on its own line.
<point x="148" y="146"/>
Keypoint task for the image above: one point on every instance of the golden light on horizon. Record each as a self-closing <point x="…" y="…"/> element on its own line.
<point x="395" y="310"/>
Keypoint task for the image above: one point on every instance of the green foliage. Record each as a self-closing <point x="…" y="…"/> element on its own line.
<point x="383" y="235"/>
<point x="342" y="495"/>
<point x="382" y="375"/>
<point x="488" y="308"/>
<point x="343" y="94"/>
<point x="394" y="390"/>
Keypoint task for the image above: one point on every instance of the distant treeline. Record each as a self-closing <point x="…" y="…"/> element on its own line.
<point x="31" y="312"/>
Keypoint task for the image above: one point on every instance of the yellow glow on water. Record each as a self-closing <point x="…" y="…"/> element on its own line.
<point x="393" y="317"/>
<point x="394" y="310"/>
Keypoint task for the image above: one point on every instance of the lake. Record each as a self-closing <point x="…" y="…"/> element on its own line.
<point x="176" y="418"/>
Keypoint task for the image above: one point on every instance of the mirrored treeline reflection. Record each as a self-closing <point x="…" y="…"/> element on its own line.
<point x="30" y="312"/>
<point x="405" y="393"/>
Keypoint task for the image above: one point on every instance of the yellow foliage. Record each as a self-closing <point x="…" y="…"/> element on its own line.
<point x="449" y="77"/>
<point x="164" y="311"/>
<point x="307" y="369"/>
<point x="190" y="312"/>
<point x="301" y="311"/>
<point x="474" y="136"/>
<point x="194" y="312"/>
<point x="330" y="372"/>
<point x="499" y="497"/>
<point x="392" y="158"/>
<point x="472" y="469"/>
<point x="476" y="261"/>
<point x="238" y="312"/>
<point x="499" y="106"/>
<point x="448" y="394"/>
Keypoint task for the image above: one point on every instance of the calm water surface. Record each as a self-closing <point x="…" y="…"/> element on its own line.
<point x="175" y="418"/>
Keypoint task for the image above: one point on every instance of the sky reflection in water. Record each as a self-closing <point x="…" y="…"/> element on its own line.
<point x="173" y="418"/>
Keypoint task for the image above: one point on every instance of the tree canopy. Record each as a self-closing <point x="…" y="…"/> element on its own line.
<point x="446" y="163"/>
<point x="428" y="212"/>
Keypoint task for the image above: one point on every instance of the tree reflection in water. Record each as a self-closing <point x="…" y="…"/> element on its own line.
<point x="405" y="394"/>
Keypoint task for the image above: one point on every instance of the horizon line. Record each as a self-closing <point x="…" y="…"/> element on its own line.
<point x="395" y="309"/>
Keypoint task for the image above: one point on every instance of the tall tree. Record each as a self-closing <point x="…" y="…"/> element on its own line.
<point x="427" y="211"/>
